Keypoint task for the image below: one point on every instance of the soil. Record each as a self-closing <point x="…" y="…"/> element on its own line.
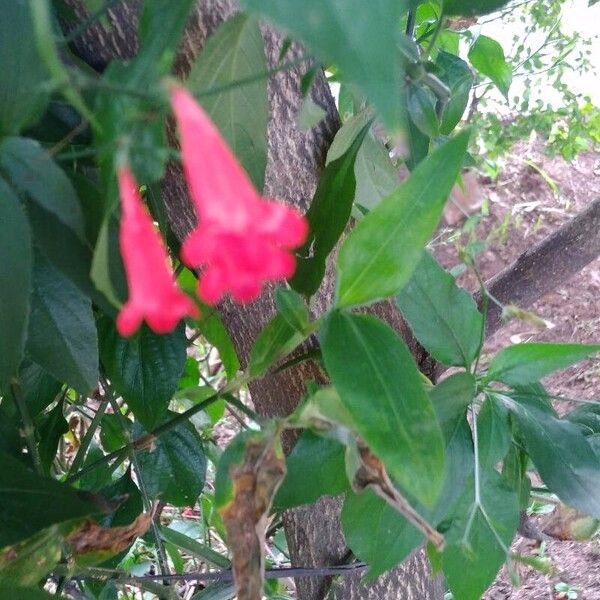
<point x="524" y="205"/>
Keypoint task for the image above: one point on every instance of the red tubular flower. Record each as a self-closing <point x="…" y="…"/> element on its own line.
<point x="241" y="240"/>
<point x="153" y="293"/>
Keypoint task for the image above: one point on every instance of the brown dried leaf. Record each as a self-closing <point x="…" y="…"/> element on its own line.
<point x="566" y="523"/>
<point x="254" y="483"/>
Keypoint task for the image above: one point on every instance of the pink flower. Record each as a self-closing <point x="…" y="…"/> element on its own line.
<point x="241" y="240"/>
<point x="153" y="294"/>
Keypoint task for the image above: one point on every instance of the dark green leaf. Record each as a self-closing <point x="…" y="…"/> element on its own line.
<point x="34" y="173"/>
<point x="161" y="24"/>
<point x="443" y="317"/>
<point x="479" y="538"/>
<point x="418" y="144"/>
<point x="327" y="216"/>
<point x="493" y="431"/>
<point x="587" y="417"/>
<point x="376" y="532"/>
<point x="380" y="385"/>
<point x="144" y="369"/>
<point x="457" y="75"/>
<point x="235" y="52"/>
<point x="232" y="455"/>
<point x="315" y="459"/>
<point x="62" y="334"/>
<point x="216" y="591"/>
<point x="23" y="93"/>
<point x="487" y="56"/>
<point x="174" y="469"/>
<point x="562" y="455"/>
<point x="277" y="339"/>
<point x="380" y="254"/>
<point x="339" y="31"/>
<point x="292" y="308"/>
<point x="29" y="503"/>
<point x="521" y="364"/>
<point x="514" y="472"/>
<point x="39" y="387"/>
<point x="472" y="7"/>
<point x="51" y="429"/>
<point x="451" y="397"/>
<point x="112" y="435"/>
<point x="421" y="107"/>
<point x="15" y="280"/>
<point x="375" y="174"/>
<point x="10" y="434"/>
<point x="131" y="505"/>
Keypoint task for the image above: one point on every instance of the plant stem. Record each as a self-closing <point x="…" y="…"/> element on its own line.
<point x="28" y="429"/>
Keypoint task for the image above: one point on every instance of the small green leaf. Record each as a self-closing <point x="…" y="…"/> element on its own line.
<point x="327" y="216"/>
<point x="339" y="31"/>
<point x="421" y="107"/>
<point x="470" y="8"/>
<point x="487" y="56"/>
<point x="15" y="280"/>
<point x="292" y="308"/>
<point x="587" y="417"/>
<point x="493" y="430"/>
<point x="23" y="90"/>
<point x="39" y="387"/>
<point x="379" y="256"/>
<point x="174" y="469"/>
<point x="418" y="144"/>
<point x="277" y="339"/>
<point x="236" y="52"/>
<point x="562" y="455"/>
<point x="457" y="75"/>
<point x="144" y="369"/>
<point x="193" y="547"/>
<point x="479" y="537"/>
<point x="29" y="503"/>
<point x="34" y="173"/>
<point x="380" y="385"/>
<point x="521" y="364"/>
<point x="62" y="335"/>
<point x="52" y="428"/>
<point x="315" y="459"/>
<point x="443" y="317"/>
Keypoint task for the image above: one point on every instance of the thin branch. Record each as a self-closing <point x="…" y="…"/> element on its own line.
<point x="28" y="429"/>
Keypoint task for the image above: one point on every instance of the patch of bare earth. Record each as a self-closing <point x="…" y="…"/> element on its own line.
<point x="523" y="209"/>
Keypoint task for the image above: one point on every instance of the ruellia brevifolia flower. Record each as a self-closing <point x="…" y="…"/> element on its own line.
<point x="242" y="240"/>
<point x="153" y="294"/>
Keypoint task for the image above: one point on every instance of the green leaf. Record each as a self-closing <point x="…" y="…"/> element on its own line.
<point x="587" y="417"/>
<point x="421" y="107"/>
<point x="15" y="280"/>
<point x="232" y="455"/>
<point x="340" y="31"/>
<point x="62" y="335"/>
<point x="39" y="387"/>
<point x="443" y="316"/>
<point x="52" y="428"/>
<point x="375" y="174"/>
<point x="379" y="256"/>
<point x="292" y="308"/>
<point x="129" y="508"/>
<point x="174" y="469"/>
<point x="380" y="385"/>
<point x="457" y="75"/>
<point x="487" y="56"/>
<point x="493" y="431"/>
<point x="23" y="93"/>
<point x="29" y="503"/>
<point x="161" y="24"/>
<point x="479" y="538"/>
<point x="315" y="459"/>
<point x="472" y="7"/>
<point x="451" y="397"/>
<point x="327" y="217"/>
<point x="277" y="339"/>
<point x="236" y="52"/>
<point x="376" y="532"/>
<point x="418" y="144"/>
<point x="216" y="591"/>
<point x="144" y="369"/>
<point x="521" y="364"/>
<point x="562" y="455"/>
<point x="193" y="547"/>
<point x="34" y="173"/>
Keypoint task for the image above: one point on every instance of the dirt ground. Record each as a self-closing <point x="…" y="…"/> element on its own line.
<point x="524" y="206"/>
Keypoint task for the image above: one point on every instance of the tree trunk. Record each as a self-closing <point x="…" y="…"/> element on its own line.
<point x="295" y="161"/>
